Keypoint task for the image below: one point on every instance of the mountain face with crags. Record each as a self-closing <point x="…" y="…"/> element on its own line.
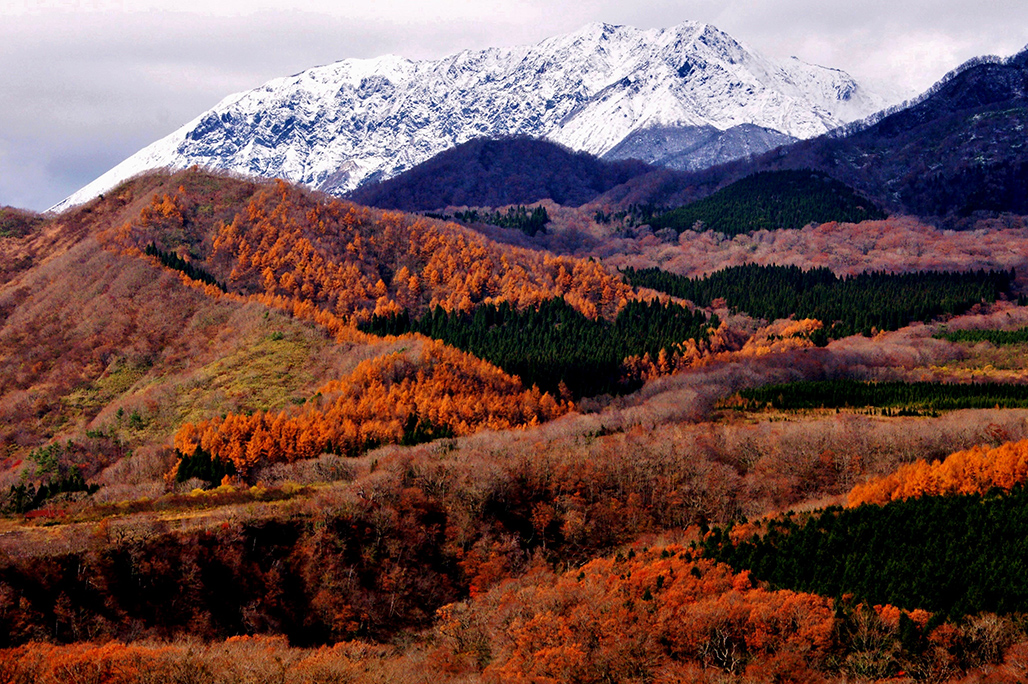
<point x="339" y="126"/>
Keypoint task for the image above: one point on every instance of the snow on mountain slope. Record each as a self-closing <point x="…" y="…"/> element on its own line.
<point x="338" y="126"/>
<point x="691" y="148"/>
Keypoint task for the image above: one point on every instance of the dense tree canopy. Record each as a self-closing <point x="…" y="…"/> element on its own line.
<point x="554" y="344"/>
<point x="996" y="337"/>
<point x="904" y="396"/>
<point x="858" y="304"/>
<point x="772" y="200"/>
<point x="518" y="218"/>
<point x="956" y="555"/>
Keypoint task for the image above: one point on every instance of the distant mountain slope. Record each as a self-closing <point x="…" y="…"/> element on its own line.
<point x="957" y="150"/>
<point x="493" y="173"/>
<point x="334" y="127"/>
<point x="690" y="148"/>
<point x="772" y="200"/>
<point x="961" y="149"/>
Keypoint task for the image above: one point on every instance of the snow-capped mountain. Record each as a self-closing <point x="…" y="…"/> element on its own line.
<point x="338" y="126"/>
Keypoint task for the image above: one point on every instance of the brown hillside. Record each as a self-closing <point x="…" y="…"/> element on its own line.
<point x="898" y="244"/>
<point x="278" y="240"/>
<point x="92" y="340"/>
<point x="107" y="348"/>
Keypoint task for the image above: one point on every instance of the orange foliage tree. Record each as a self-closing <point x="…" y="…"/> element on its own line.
<point x="357" y="261"/>
<point x="974" y="471"/>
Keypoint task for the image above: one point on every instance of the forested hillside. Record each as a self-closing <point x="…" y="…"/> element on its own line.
<point x="974" y="471"/>
<point x="553" y="346"/>
<point x="903" y="397"/>
<point x="497" y="173"/>
<point x="256" y="434"/>
<point x="953" y="154"/>
<point x="110" y="373"/>
<point x="520" y="218"/>
<point x="391" y="399"/>
<point x="281" y="242"/>
<point x="996" y="337"/>
<point x="771" y="200"/>
<point x="955" y="555"/>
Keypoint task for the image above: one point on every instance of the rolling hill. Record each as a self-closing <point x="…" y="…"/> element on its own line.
<point x="495" y="173"/>
<point x="771" y="200"/>
<point x="251" y="432"/>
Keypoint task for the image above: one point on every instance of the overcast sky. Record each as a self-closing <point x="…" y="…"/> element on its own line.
<point x="86" y="83"/>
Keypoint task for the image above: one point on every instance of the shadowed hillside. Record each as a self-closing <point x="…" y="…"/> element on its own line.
<point x="771" y="200"/>
<point x="495" y="173"/>
<point x="955" y="152"/>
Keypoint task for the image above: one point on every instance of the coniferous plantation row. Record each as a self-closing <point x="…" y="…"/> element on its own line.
<point x="847" y="306"/>
<point x="554" y="342"/>
<point x="955" y="555"/>
<point x="906" y="396"/>
<point x="772" y="200"/>
<point x="996" y="337"/>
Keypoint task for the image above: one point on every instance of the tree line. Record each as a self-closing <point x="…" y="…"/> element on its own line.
<point x="51" y="476"/>
<point x="177" y="263"/>
<point x="978" y="470"/>
<point x="631" y="216"/>
<point x="911" y="396"/>
<point x="518" y="218"/>
<point x="396" y="398"/>
<point x="554" y="344"/>
<point x="996" y="337"/>
<point x="862" y="303"/>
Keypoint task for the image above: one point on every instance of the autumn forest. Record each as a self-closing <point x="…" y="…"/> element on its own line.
<point x="714" y="430"/>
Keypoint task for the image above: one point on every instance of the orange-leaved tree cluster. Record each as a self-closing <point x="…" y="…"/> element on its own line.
<point x="974" y="471"/>
<point x="237" y="659"/>
<point x="282" y="241"/>
<point x="631" y="618"/>
<point x="396" y="397"/>
<point x="356" y="261"/>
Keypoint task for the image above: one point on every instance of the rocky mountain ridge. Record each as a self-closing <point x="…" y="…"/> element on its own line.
<point x="336" y="127"/>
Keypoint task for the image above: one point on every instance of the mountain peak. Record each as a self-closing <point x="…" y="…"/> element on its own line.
<point x="599" y="29"/>
<point x="337" y="126"/>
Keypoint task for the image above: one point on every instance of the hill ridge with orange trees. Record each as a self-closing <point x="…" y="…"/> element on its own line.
<point x="69" y="384"/>
<point x="442" y="392"/>
<point x="329" y="261"/>
<point x="352" y="261"/>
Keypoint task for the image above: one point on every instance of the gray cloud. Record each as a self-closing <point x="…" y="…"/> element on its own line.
<point x="81" y="90"/>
